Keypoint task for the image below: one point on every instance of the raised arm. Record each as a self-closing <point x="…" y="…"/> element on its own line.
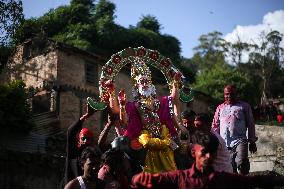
<point x="104" y="133"/>
<point x="113" y="104"/>
<point x="122" y="111"/>
<point x="75" y="128"/>
<point x="175" y="94"/>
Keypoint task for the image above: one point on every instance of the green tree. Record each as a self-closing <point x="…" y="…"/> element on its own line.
<point x="11" y="16"/>
<point x="15" y="113"/>
<point x="89" y="3"/>
<point x="91" y="27"/>
<point x="213" y="72"/>
<point x="266" y="59"/>
<point x="149" y="22"/>
<point x="235" y="51"/>
<point x="210" y="51"/>
<point x="213" y="81"/>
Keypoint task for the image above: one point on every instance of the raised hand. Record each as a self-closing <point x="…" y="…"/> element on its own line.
<point x="177" y="77"/>
<point x="177" y="80"/>
<point x="90" y="111"/>
<point x="109" y="84"/>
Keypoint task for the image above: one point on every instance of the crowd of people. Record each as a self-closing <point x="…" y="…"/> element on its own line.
<point x="159" y="147"/>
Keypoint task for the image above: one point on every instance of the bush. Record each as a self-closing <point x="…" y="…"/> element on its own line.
<point x="15" y="113"/>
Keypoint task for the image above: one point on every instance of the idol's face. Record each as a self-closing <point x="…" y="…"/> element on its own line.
<point x="144" y="83"/>
<point x="145" y="87"/>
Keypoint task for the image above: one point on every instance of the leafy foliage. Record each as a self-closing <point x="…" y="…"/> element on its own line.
<point x="213" y="81"/>
<point x="4" y="55"/>
<point x="150" y="23"/>
<point x="11" y="16"/>
<point x="267" y="59"/>
<point x="91" y="27"/>
<point x="15" y="113"/>
<point x="259" y="78"/>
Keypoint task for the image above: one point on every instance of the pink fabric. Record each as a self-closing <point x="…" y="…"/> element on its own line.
<point x="104" y="173"/>
<point x="280" y="118"/>
<point x="134" y="121"/>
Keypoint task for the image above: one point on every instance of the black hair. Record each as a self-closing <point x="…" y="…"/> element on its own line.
<point x="114" y="159"/>
<point x="208" y="140"/>
<point x="204" y="118"/>
<point x="187" y="114"/>
<point x="90" y="152"/>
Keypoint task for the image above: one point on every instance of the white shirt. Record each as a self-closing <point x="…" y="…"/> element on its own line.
<point x="81" y="182"/>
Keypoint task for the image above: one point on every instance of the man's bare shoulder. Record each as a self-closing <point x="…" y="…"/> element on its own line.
<point x="73" y="184"/>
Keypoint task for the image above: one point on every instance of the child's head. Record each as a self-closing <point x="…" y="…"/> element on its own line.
<point x="202" y="122"/>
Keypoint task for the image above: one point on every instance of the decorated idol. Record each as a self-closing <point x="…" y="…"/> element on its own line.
<point x="148" y="119"/>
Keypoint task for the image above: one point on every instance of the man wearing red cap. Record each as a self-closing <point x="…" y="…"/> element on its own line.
<point x="78" y="139"/>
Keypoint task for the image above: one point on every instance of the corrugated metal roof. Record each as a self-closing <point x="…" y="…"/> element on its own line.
<point x="35" y="141"/>
<point x="32" y="142"/>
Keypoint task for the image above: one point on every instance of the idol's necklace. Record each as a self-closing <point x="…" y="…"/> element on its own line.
<point x="150" y="116"/>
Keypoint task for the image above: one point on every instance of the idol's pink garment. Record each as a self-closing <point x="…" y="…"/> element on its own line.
<point x="135" y="125"/>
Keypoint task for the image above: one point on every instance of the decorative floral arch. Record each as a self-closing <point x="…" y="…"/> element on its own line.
<point x="150" y="57"/>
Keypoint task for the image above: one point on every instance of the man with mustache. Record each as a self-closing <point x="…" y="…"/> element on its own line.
<point x="90" y="163"/>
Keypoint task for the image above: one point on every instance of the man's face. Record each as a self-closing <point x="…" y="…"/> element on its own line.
<point x="203" y="158"/>
<point x="91" y="167"/>
<point x="229" y="95"/>
<point x="188" y="122"/>
<point x="200" y="125"/>
<point x="197" y="123"/>
<point x="185" y="122"/>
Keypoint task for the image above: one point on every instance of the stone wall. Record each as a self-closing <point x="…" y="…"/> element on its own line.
<point x="32" y="70"/>
<point x="270" y="153"/>
<point x="71" y="70"/>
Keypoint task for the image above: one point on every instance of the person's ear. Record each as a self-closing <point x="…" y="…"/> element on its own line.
<point x="192" y="151"/>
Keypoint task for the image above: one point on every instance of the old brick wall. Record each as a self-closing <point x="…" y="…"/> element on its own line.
<point x="33" y="70"/>
<point x="71" y="70"/>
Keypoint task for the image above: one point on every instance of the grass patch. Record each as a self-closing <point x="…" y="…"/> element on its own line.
<point x="270" y="123"/>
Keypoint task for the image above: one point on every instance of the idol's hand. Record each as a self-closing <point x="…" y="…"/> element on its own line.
<point x="177" y="80"/>
<point x="109" y="84"/>
<point x="121" y="97"/>
<point x="177" y="77"/>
